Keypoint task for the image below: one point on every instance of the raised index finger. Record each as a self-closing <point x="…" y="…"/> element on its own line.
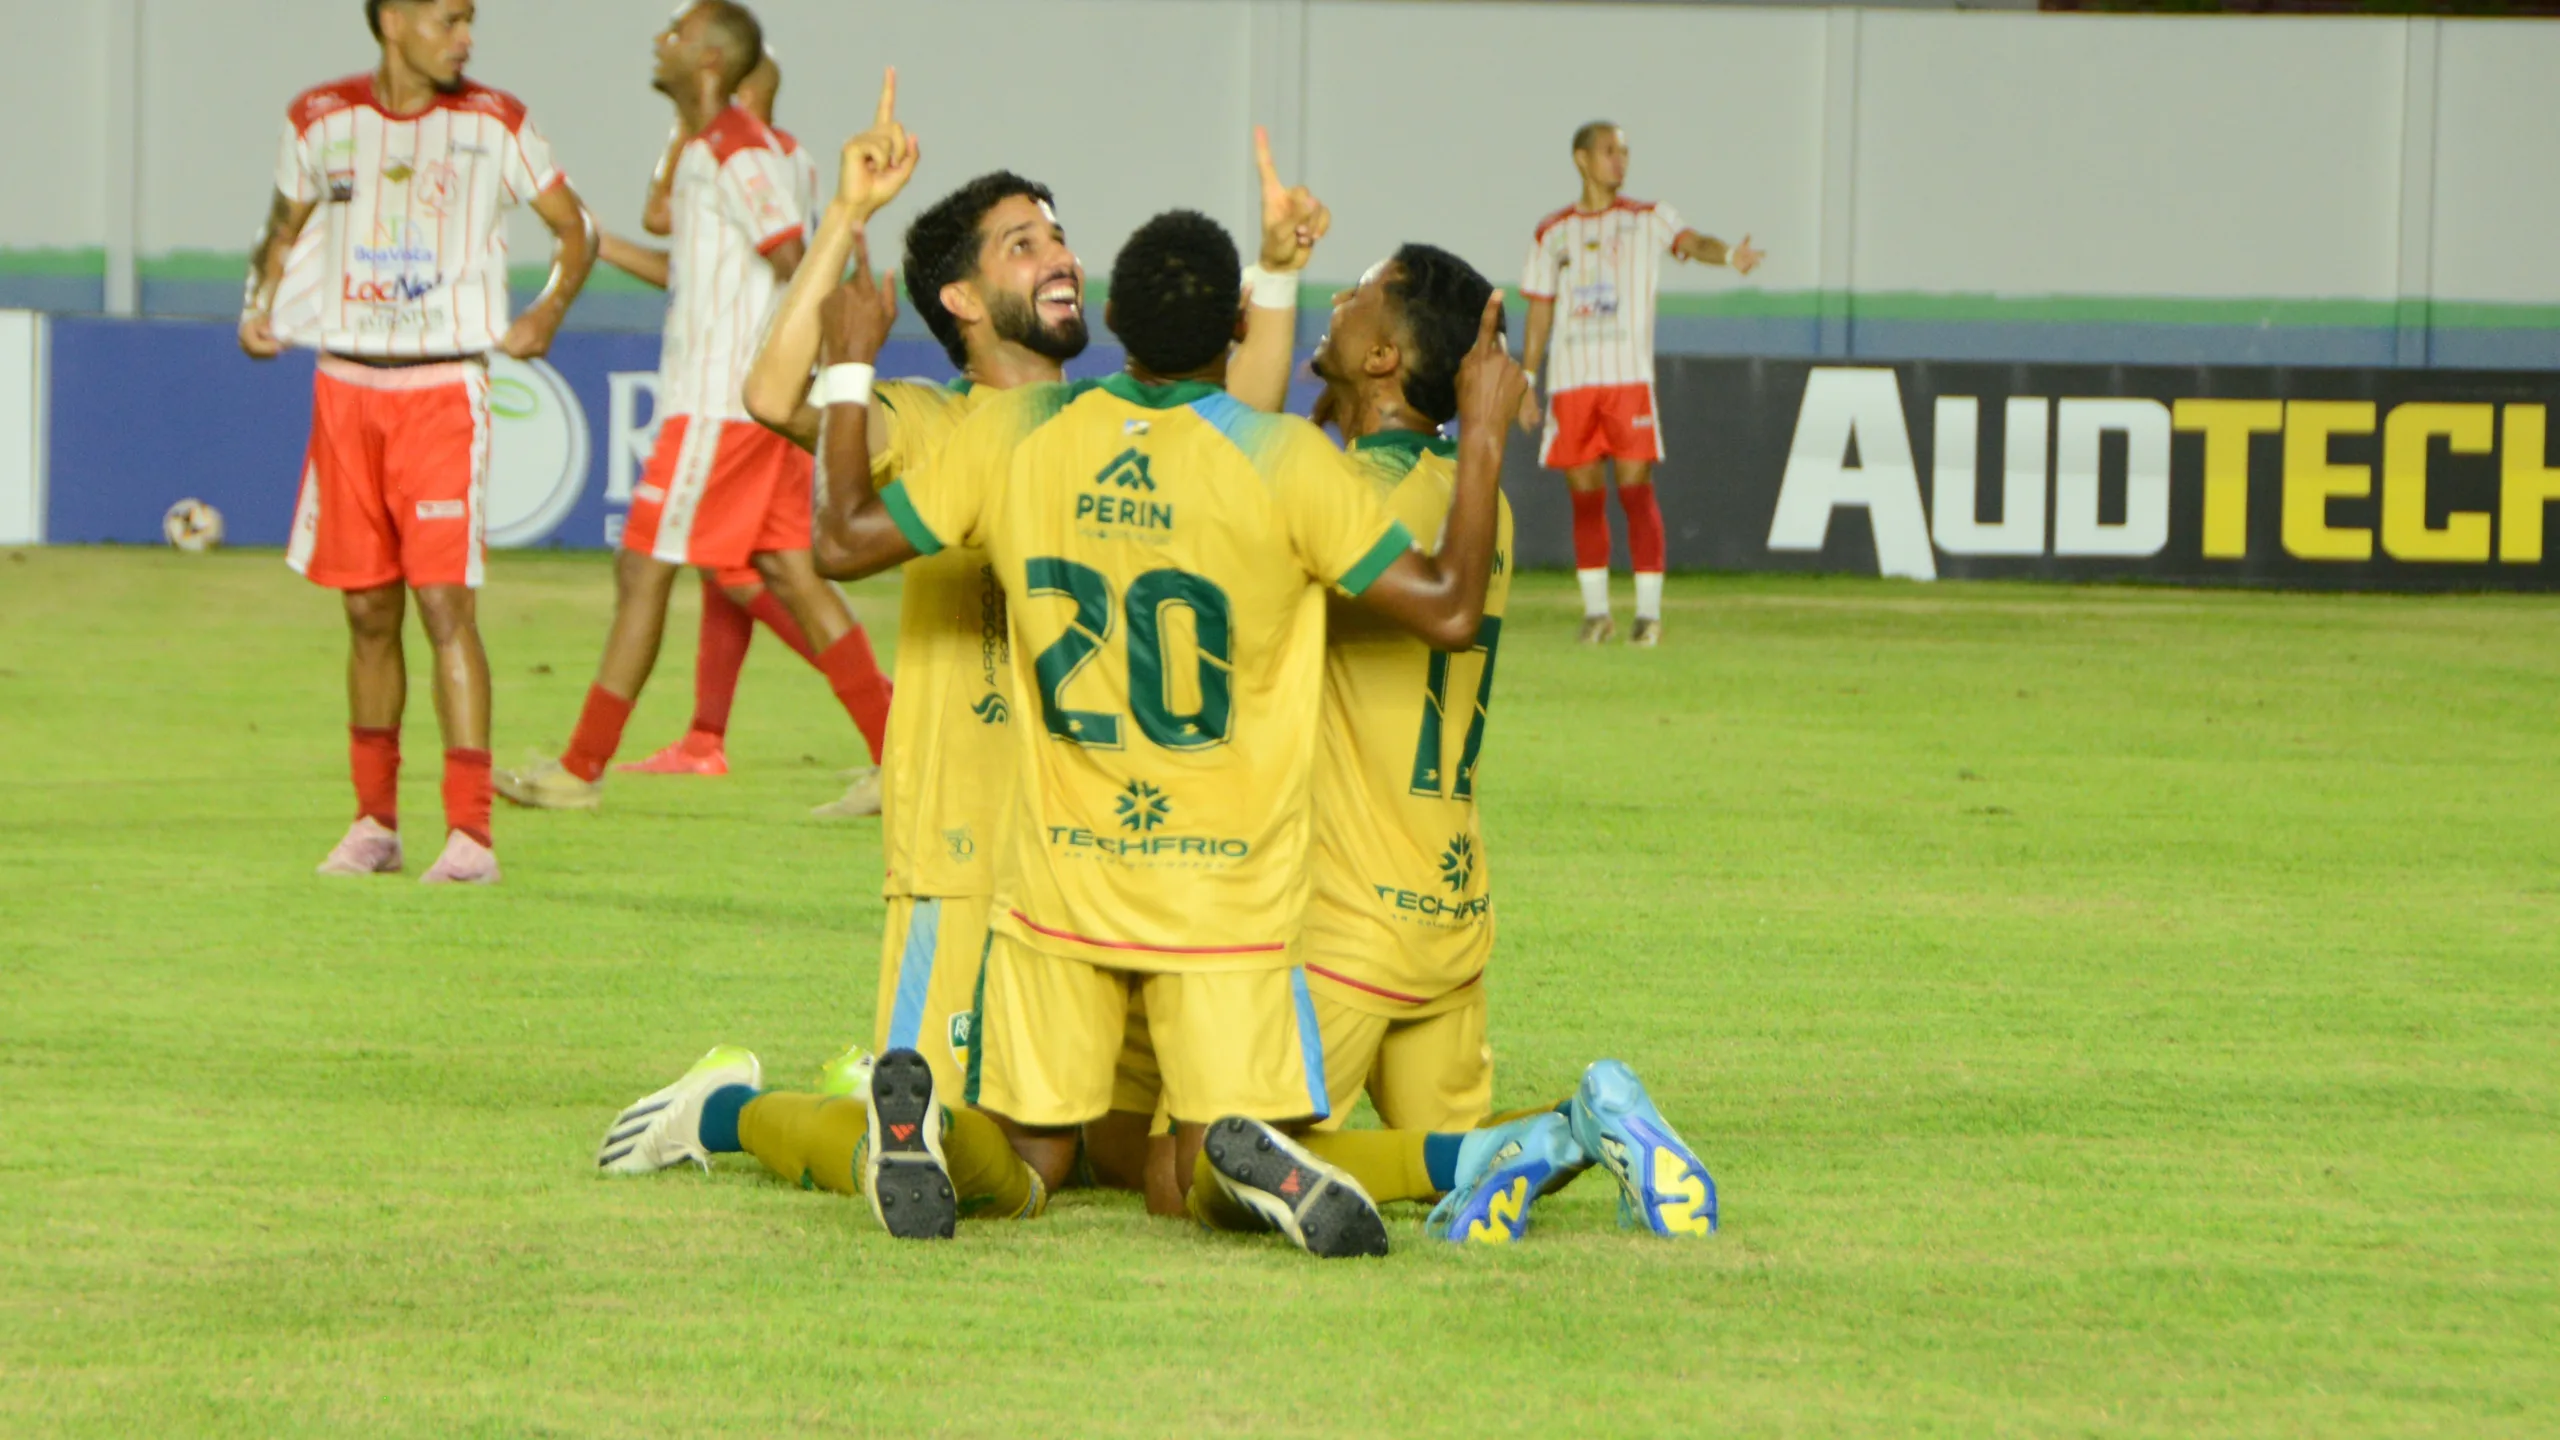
<point x="1489" y="333"/>
<point x="1262" y="159"/>
<point x="888" y="99"/>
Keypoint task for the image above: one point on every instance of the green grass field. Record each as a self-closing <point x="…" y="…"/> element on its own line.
<point x="2107" y="1012"/>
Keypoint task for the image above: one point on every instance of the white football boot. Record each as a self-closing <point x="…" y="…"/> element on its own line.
<point x="663" y="1130"/>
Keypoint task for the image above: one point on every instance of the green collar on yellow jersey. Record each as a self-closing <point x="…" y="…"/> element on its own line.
<point x="1406" y="440"/>
<point x="1154" y="397"/>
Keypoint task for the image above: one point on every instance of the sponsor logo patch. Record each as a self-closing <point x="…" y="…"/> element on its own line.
<point x="441" y="510"/>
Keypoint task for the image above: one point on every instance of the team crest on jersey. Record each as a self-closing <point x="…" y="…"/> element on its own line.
<point x="1130" y="470"/>
<point x="1143" y="807"/>
<point x="963" y="1035"/>
<point x="438" y="187"/>
<point x="1458" y="864"/>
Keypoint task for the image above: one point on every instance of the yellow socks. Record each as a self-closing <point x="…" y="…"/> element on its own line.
<point x="1388" y="1164"/>
<point x="809" y="1140"/>
<point x="991" y="1180"/>
<point x="1211" y="1205"/>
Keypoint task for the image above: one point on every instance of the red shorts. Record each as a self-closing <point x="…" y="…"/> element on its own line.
<point x="1600" y="422"/>
<point x="393" y="482"/>
<point x="716" y="492"/>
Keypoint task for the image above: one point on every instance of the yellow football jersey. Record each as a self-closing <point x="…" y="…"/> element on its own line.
<point x="948" y="760"/>
<point x="1164" y="552"/>
<point x="1402" y="912"/>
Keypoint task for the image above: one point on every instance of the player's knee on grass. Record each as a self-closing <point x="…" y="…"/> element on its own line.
<point x="1049" y="1150"/>
<point x="1115" y="1148"/>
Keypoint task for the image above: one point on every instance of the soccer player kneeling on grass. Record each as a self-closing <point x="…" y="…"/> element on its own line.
<point x="1164" y="553"/>
<point x="1401" y="925"/>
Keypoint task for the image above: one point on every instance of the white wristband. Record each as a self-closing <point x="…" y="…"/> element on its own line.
<point x="847" y="384"/>
<point x="1272" y="290"/>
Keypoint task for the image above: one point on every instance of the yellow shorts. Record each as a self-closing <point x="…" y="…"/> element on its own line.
<point x="1435" y="1073"/>
<point x="929" y="953"/>
<point x="1051" y="1033"/>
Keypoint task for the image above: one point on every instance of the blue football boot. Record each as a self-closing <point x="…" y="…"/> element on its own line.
<point x="1501" y="1172"/>
<point x="1662" y="1185"/>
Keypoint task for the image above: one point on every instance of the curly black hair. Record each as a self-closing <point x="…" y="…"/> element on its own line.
<point x="1175" y="289"/>
<point x="1441" y="299"/>
<point x="943" y="245"/>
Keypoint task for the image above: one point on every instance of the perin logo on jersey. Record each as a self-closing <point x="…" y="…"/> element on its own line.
<point x="1143" y="807"/>
<point x="991" y="709"/>
<point x="1129" y="471"/>
<point x="538" y="451"/>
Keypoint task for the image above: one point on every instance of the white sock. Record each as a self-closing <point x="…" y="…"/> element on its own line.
<point x="1595" y="591"/>
<point x="1649" y="595"/>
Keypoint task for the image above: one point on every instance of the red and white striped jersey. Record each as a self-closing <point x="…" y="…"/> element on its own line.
<point x="1602" y="270"/>
<point x="406" y="256"/>
<point x="736" y="198"/>
<point x="804" y="168"/>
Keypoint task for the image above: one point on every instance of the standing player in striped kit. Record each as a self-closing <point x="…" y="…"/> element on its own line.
<point x="733" y="599"/>
<point x="402" y="286"/>
<point x="1602" y="257"/>
<point x="720" y="492"/>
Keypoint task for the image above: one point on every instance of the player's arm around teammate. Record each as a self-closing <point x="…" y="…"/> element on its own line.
<point x="405" y="309"/>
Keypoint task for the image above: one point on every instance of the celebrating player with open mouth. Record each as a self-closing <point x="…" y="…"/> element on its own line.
<point x="402" y="286"/>
<point x="719" y="492"/>
<point x="1601" y="257"/>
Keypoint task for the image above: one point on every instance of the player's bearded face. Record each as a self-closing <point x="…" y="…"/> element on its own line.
<point x="1033" y="283"/>
<point x="1039" y="320"/>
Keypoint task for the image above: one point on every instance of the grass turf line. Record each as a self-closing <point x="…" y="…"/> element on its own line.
<point x="2108" y="1012"/>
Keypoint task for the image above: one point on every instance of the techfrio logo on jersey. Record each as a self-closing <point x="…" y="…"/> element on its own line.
<point x="2324" y="476"/>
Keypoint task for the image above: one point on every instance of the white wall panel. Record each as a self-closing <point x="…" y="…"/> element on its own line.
<point x="1125" y="107"/>
<point x="53" y="77"/>
<point x="1453" y="123"/>
<point x="2497" y="201"/>
<point x="22" y="428"/>
<point x="2133" y="155"/>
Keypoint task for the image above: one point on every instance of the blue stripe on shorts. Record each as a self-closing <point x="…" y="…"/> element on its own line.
<point x="915" y="974"/>
<point x="1310" y="1045"/>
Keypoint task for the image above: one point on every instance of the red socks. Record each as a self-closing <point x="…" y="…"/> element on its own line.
<point x="777" y="618"/>
<point x="1645" y="547"/>
<point x="599" y="733"/>
<point x="727" y="630"/>
<point x="1591" y="529"/>
<point x="466" y="793"/>
<point x="854" y="674"/>
<point x="374" y="756"/>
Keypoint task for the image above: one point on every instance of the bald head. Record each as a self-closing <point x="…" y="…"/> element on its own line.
<point x="731" y="29"/>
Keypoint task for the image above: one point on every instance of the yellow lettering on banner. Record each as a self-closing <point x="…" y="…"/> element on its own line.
<point x="2312" y="479"/>
<point x="2227" y="426"/>
<point x="2406" y="535"/>
<point x="2526" y="486"/>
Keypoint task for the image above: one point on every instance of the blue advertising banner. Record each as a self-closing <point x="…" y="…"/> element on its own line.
<point x="147" y="413"/>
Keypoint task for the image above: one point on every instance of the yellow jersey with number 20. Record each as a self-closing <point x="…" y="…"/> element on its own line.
<point x="948" y="761"/>
<point x="1402" y="916"/>
<point x="1164" y="552"/>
